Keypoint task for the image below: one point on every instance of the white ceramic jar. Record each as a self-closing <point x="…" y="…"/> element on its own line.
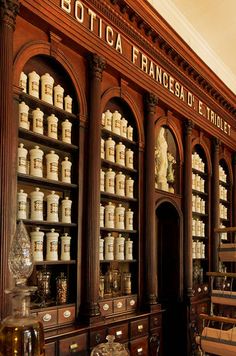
<point x="101" y="249"/>
<point x="110" y="149"/>
<point x="36" y="205"/>
<point x="129" y="214"/>
<point x="52" y="165"/>
<point x="110" y="181"/>
<point x="65" y="247"/>
<point x="108" y="120"/>
<point x="194" y="249"/>
<point x="36" y="162"/>
<point x="22" y="159"/>
<point x="128" y="249"/>
<point x="58" y="96"/>
<point x="23" y="116"/>
<point x="23" y="82"/>
<point x="120" y="248"/>
<point x="47" y="82"/>
<point x="120" y="154"/>
<point x="102" y="209"/>
<point x="37" y="244"/>
<point x="110" y="215"/>
<point x="52" y="245"/>
<point x="120" y="184"/>
<point x="109" y="247"/>
<point x="22" y="204"/>
<point x="66" y="170"/>
<point x="102" y="180"/>
<point x="102" y="148"/>
<point x="130" y="133"/>
<point x="129" y="187"/>
<point x="66" y="205"/>
<point x="68" y="103"/>
<point x="52" y="126"/>
<point x="129" y="158"/>
<point x="66" y="131"/>
<point x="123" y="127"/>
<point x="33" y="78"/>
<point x="115" y="125"/>
<point x="103" y="119"/>
<point x="52" y="207"/>
<point x="120" y="217"/>
<point x="38" y="121"/>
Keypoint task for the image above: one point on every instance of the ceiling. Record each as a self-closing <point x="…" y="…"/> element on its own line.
<point x="209" y="27"/>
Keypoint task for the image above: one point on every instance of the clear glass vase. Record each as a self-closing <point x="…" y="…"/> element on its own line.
<point x="110" y="348"/>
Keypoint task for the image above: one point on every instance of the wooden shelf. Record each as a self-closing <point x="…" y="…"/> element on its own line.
<point x="45" y="263"/>
<point x="107" y="133"/>
<point x="200" y="173"/>
<point x="118" y="230"/>
<point x="120" y="261"/>
<point x="198" y="192"/>
<point x="224" y="184"/>
<point x="108" y="196"/>
<point x="110" y="164"/>
<point x="45" y="140"/>
<point x="199" y="237"/>
<point x="32" y="180"/>
<point x="199" y="214"/>
<point x="46" y="223"/>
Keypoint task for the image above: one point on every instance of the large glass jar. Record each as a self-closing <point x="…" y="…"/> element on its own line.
<point x="110" y="348"/>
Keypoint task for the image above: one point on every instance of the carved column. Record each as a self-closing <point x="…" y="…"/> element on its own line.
<point x="151" y="248"/>
<point x="8" y="12"/>
<point x="215" y="204"/>
<point x="188" y="208"/>
<point x="234" y="190"/>
<point x="96" y="67"/>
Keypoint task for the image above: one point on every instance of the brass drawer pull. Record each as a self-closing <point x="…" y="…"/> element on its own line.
<point x="74" y="347"/>
<point x="119" y="333"/>
<point x="67" y="314"/>
<point x="140" y="328"/>
<point x="140" y="351"/>
<point x="47" y="317"/>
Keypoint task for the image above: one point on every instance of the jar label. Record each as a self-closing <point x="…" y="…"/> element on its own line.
<point x="53" y="208"/>
<point x="67" y="211"/>
<point x="39" y="123"/>
<point x="53" y="246"/>
<point x="34" y="86"/>
<point x="48" y="89"/>
<point x="59" y="98"/>
<point x="53" y="167"/>
<point x="38" y="205"/>
<point x="66" y="248"/>
<point x="67" y="173"/>
<point x="53" y="128"/>
<point x="67" y="133"/>
<point x="23" y="117"/>
<point x="21" y="206"/>
<point x="37" y="163"/>
<point x="22" y="162"/>
<point x="38" y="246"/>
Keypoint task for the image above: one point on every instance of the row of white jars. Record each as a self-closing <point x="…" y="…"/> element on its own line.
<point x="197" y="162"/>
<point x="223" y="212"/>
<point x="37" y="241"/>
<point x="35" y="166"/>
<point x="116" y="183"/>
<point x="36" y="206"/>
<point x="222" y="174"/>
<point x="198" y="249"/>
<point x="38" y="123"/>
<point x="52" y="95"/>
<point x="198" y="204"/>
<point x="223" y="193"/>
<point x="198" y="227"/>
<point x="116" y="248"/>
<point x="118" y="125"/>
<point x="117" y="153"/>
<point x="198" y="183"/>
<point x="116" y="217"/>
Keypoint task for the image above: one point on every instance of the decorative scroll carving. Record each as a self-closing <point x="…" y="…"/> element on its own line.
<point x="9" y="9"/>
<point x="151" y="102"/>
<point x="189" y="125"/>
<point x="97" y="65"/>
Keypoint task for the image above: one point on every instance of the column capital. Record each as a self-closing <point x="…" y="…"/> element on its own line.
<point x="151" y="101"/>
<point x="9" y="9"/>
<point x="216" y="143"/>
<point x="188" y="125"/>
<point x="97" y="65"/>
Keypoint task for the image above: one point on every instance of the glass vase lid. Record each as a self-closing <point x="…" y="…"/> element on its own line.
<point x="110" y="348"/>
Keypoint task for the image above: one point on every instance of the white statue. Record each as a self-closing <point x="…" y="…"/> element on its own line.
<point x="161" y="161"/>
<point x="170" y="169"/>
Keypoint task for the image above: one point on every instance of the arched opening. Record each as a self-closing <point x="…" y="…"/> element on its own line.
<point x="170" y="277"/>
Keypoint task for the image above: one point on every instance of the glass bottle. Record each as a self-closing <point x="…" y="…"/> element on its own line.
<point x="110" y="348"/>
<point x="21" y="333"/>
<point x="62" y="288"/>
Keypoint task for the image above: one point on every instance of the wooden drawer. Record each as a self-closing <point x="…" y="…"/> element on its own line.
<point x="155" y="342"/>
<point x="138" y="328"/>
<point x="120" y="332"/>
<point x="119" y="305"/>
<point x="50" y="349"/>
<point x="106" y="307"/>
<point x="139" y="347"/>
<point x="73" y="345"/>
<point x="97" y="336"/>
<point x="66" y="315"/>
<point x="155" y="321"/>
<point x="48" y="318"/>
<point x="131" y="303"/>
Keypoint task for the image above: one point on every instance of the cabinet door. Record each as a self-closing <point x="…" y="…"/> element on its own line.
<point x="73" y="345"/>
<point x="139" y="347"/>
<point x="155" y="342"/>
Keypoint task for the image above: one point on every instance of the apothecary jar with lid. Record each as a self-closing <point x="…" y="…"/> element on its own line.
<point x="110" y="348"/>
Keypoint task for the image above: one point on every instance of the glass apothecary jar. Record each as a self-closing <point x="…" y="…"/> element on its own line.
<point x="110" y="348"/>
